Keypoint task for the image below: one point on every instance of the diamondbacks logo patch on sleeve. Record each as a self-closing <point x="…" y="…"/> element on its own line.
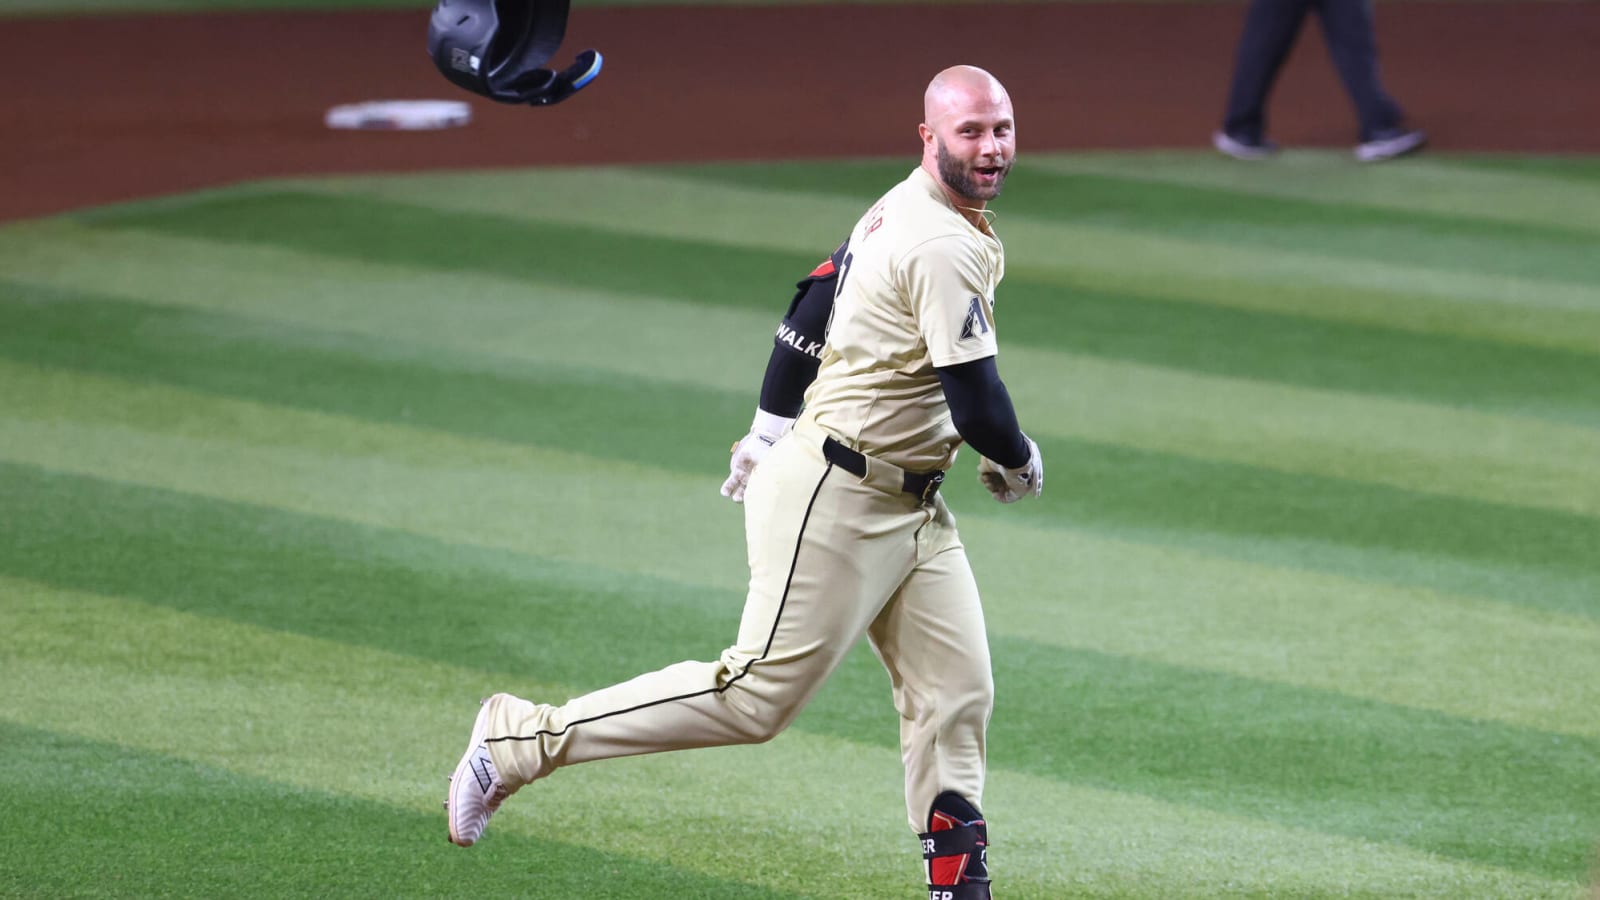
<point x="976" y="323"/>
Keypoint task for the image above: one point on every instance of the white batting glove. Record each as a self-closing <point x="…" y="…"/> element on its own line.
<point x="1011" y="485"/>
<point x="751" y="450"/>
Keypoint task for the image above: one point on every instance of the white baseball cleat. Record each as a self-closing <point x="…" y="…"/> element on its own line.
<point x="1389" y="144"/>
<point x="1242" y="148"/>
<point x="475" y="789"/>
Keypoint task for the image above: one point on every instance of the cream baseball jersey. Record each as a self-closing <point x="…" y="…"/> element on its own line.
<point x="915" y="292"/>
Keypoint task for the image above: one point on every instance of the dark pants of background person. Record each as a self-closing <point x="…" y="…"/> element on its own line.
<point x="1270" y="29"/>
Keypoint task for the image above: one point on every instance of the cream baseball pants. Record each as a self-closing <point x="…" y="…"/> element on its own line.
<point x="832" y="555"/>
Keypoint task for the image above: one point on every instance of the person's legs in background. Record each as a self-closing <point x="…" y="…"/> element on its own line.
<point x="1270" y="29"/>
<point x="1348" y="29"/>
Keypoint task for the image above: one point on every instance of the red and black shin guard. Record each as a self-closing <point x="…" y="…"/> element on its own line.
<point x="956" y="849"/>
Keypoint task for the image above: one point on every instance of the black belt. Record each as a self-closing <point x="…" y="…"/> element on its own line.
<point x="922" y="485"/>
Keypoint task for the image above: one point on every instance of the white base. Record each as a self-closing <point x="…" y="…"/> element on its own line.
<point x="399" y="115"/>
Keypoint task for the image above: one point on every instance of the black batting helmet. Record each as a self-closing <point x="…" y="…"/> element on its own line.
<point x="497" y="49"/>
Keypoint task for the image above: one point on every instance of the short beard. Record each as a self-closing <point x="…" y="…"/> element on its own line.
<point x="959" y="179"/>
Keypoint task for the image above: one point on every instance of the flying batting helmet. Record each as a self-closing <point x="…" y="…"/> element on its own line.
<point x="497" y="49"/>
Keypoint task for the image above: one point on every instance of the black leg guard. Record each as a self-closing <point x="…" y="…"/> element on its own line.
<point x="956" y="848"/>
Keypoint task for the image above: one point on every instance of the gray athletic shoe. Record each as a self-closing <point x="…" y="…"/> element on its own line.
<point x="1239" y="148"/>
<point x="475" y="788"/>
<point x="1390" y="143"/>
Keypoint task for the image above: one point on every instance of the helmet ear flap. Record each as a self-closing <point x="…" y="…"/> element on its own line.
<point x="570" y="80"/>
<point x="584" y="70"/>
<point x="543" y="87"/>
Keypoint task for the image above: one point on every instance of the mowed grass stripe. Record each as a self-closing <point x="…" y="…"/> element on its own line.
<point x="1129" y="326"/>
<point x="531" y="616"/>
<point x="466" y="496"/>
<point x="654" y="201"/>
<point x="1329" y="228"/>
<point x="255" y="462"/>
<point x="595" y="412"/>
<point x="399" y="234"/>
<point x="508" y="496"/>
<point x="1086" y="188"/>
<point x="467" y="314"/>
<point x="1049" y="308"/>
<point x="1373" y="307"/>
<point x="1353" y="527"/>
<point x="1542" y="193"/>
<point x="1112" y="845"/>
<point x="1581" y="170"/>
<point x="1117" y="325"/>
<point x="1517" y="554"/>
<point x="1407" y="445"/>
<point x="1321" y="521"/>
<point x="137" y="823"/>
<point x="1305" y="758"/>
<point x="1539" y="466"/>
<point x="365" y="725"/>
<point x="598" y="328"/>
<point x="1500" y="459"/>
<point x="1045" y="206"/>
<point x="1103" y="248"/>
<point x="672" y="265"/>
<point x="819" y="205"/>
<point x="347" y="357"/>
<point x="1464" y="657"/>
<point x="1414" y="647"/>
<point x="1542" y="311"/>
<point x="1241" y="747"/>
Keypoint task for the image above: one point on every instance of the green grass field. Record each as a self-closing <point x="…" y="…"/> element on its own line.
<point x="295" y="472"/>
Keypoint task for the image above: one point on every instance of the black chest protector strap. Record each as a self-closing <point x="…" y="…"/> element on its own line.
<point x="498" y="49"/>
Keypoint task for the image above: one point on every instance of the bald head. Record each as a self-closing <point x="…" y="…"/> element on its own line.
<point x="959" y="88"/>
<point x="968" y="135"/>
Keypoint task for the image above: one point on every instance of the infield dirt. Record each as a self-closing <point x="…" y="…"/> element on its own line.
<point x="118" y="107"/>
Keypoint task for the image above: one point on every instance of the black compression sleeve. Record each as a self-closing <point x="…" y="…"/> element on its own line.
<point x="797" y="347"/>
<point x="980" y="408"/>
<point x="783" y="389"/>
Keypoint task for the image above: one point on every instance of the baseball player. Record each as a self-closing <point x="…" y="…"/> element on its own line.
<point x="846" y="532"/>
<point x="796" y="354"/>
